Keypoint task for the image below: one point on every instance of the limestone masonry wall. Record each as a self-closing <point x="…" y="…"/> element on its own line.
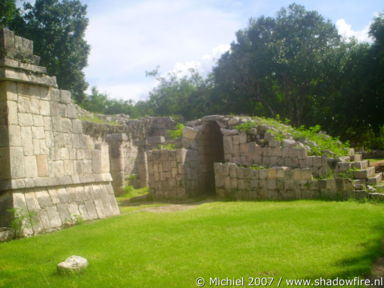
<point x="167" y="174"/>
<point x="277" y="183"/>
<point x="44" y="152"/>
<point x="256" y="164"/>
<point x="55" y="164"/>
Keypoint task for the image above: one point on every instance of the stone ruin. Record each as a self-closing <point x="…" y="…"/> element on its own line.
<point x="53" y="163"/>
<point x="60" y="166"/>
<point x="217" y="158"/>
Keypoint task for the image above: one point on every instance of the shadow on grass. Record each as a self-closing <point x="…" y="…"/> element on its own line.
<point x="362" y="265"/>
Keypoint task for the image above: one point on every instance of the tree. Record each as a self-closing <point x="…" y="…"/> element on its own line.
<point x="57" y="28"/>
<point x="8" y="12"/>
<point x="100" y="103"/>
<point x="186" y="96"/>
<point x="274" y="67"/>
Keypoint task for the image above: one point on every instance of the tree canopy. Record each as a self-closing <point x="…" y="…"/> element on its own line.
<point x="57" y="28"/>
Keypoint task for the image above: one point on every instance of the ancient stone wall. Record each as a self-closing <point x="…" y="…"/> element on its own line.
<point x="44" y="148"/>
<point x="167" y="173"/>
<point x="264" y="163"/>
<point x="128" y="140"/>
<point x="276" y="183"/>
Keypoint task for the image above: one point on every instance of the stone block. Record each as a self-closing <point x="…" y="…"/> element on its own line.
<point x="232" y="170"/>
<point x="31" y="201"/>
<point x="25" y="119"/>
<point x="77" y="126"/>
<point x="244" y="148"/>
<point x="271" y="183"/>
<point x="54" y="217"/>
<point x="65" y="97"/>
<point x="38" y="133"/>
<point x="71" y="112"/>
<point x="11" y="90"/>
<point x="243" y="138"/>
<point x="38" y="120"/>
<point x="54" y="197"/>
<point x="30" y="167"/>
<point x="57" y="168"/>
<point x="271" y="173"/>
<point x="4" y="136"/>
<point x="190" y="133"/>
<point x="91" y="209"/>
<point x="66" y="125"/>
<point x="24" y="104"/>
<point x="42" y="165"/>
<point x="19" y="200"/>
<point x="26" y="139"/>
<point x="44" y="108"/>
<point x="17" y="162"/>
<point x="263" y="173"/>
<point x="35" y="106"/>
<point x="43" y="198"/>
<point x="12" y="113"/>
<point x="365" y="173"/>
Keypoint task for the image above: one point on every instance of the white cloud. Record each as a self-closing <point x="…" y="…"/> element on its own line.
<point x="133" y="91"/>
<point x="346" y="31"/>
<point x="202" y="65"/>
<point x="133" y="37"/>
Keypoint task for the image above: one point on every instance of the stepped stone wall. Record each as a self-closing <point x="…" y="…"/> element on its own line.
<point x="49" y="166"/>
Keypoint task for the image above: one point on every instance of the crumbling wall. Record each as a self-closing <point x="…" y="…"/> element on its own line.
<point x="264" y="163"/>
<point x="128" y="139"/>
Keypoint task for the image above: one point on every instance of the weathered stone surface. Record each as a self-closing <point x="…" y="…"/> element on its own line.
<point x="73" y="264"/>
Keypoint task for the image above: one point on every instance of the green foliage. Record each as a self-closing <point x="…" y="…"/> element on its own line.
<point x="166" y="147"/>
<point x="347" y="174"/>
<point x="131" y="192"/>
<point x="21" y="219"/>
<point x="100" y="103"/>
<point x="57" y="28"/>
<point x="320" y="142"/>
<point x="281" y="236"/>
<point x="8" y="12"/>
<point x="96" y="119"/>
<point x="246" y="126"/>
<point x="73" y="220"/>
<point x="176" y="133"/>
<point x="178" y="94"/>
<point x="257" y="167"/>
<point x="275" y="64"/>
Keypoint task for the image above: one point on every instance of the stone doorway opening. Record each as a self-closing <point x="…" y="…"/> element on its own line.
<point x="212" y="150"/>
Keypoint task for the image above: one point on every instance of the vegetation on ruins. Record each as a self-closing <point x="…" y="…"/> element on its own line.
<point x="317" y="141"/>
<point x="221" y="239"/>
<point x="177" y="132"/>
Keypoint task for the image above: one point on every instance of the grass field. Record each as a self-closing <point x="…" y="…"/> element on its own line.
<point x="306" y="239"/>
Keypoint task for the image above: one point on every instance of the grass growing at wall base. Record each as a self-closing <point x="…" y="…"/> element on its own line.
<point x="305" y="239"/>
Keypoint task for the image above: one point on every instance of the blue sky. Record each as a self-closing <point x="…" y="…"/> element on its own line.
<point x="128" y="38"/>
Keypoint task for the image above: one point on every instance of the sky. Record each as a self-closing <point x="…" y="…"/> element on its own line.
<point x="130" y="37"/>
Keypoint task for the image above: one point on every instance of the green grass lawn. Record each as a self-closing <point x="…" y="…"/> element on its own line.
<point x="306" y="239"/>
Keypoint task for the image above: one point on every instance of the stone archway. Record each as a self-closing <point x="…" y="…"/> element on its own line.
<point x="211" y="151"/>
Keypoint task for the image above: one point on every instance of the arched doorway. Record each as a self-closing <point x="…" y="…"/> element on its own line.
<point x="211" y="151"/>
